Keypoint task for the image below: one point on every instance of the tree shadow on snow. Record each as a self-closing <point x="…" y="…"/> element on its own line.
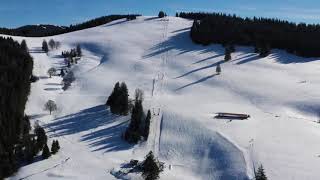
<point x="202" y="68"/>
<point x="196" y="82"/>
<point x="87" y="121"/>
<point x="182" y="43"/>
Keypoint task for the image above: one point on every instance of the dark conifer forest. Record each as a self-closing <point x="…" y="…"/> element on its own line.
<point x="262" y="33"/>
<point x="50" y="30"/>
<point x="16" y="68"/>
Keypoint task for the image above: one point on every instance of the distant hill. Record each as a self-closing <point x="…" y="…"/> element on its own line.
<point x="51" y="30"/>
<point x="39" y="29"/>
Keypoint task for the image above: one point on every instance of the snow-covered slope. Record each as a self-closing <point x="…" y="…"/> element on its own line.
<point x="280" y="92"/>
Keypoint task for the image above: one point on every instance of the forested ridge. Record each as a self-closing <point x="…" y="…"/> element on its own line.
<point x="299" y="39"/>
<point x="16" y="69"/>
<point x="50" y="30"/>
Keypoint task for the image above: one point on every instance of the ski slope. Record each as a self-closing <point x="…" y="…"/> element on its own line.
<point x="183" y="92"/>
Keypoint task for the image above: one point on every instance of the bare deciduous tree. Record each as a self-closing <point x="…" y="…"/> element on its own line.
<point x="50" y="106"/>
<point x="51" y="72"/>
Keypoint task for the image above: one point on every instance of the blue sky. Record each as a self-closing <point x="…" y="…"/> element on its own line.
<point x="14" y="13"/>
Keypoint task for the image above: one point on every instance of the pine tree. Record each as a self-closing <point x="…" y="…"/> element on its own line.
<point x="24" y="45"/>
<point x="54" y="147"/>
<point x="45" y="46"/>
<point x="134" y="131"/>
<point x="124" y="99"/>
<point x="147" y="125"/>
<point x="45" y="152"/>
<point x="260" y="175"/>
<point x="79" y="51"/>
<point x="161" y="14"/>
<point x="151" y="167"/>
<point x="227" y="56"/>
<point x="112" y="100"/>
<point x="52" y="44"/>
<point x="218" y="69"/>
<point x="41" y="136"/>
<point x="58" y="145"/>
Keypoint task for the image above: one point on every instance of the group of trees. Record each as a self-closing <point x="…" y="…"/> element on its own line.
<point x="50" y="30"/>
<point x="67" y="79"/>
<point x="162" y="14"/>
<point x="77" y="52"/>
<point x="120" y="104"/>
<point x="54" y="44"/>
<point x="262" y="33"/>
<point x="118" y="101"/>
<point x="140" y="123"/>
<point x="50" y="46"/>
<point x="16" y="69"/>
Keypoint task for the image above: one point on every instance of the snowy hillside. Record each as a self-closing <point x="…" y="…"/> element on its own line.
<point x="280" y="92"/>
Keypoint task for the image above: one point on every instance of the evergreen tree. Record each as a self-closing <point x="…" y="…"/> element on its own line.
<point x="177" y="14"/>
<point x="161" y="14"/>
<point x="134" y="131"/>
<point x="79" y="51"/>
<point x="52" y="44"/>
<point x="41" y="136"/>
<point x="112" y="100"/>
<point x="124" y="99"/>
<point x="45" y="46"/>
<point x="218" y="69"/>
<point x="45" y="152"/>
<point x="151" y="167"/>
<point x="260" y="174"/>
<point x="62" y="73"/>
<point x="147" y="125"/>
<point x="54" y="147"/>
<point x="227" y="56"/>
<point x="58" y="145"/>
<point x="24" y="45"/>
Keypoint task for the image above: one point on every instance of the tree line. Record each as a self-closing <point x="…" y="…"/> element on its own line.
<point x="35" y="31"/>
<point x="16" y="66"/>
<point x="262" y="33"/>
